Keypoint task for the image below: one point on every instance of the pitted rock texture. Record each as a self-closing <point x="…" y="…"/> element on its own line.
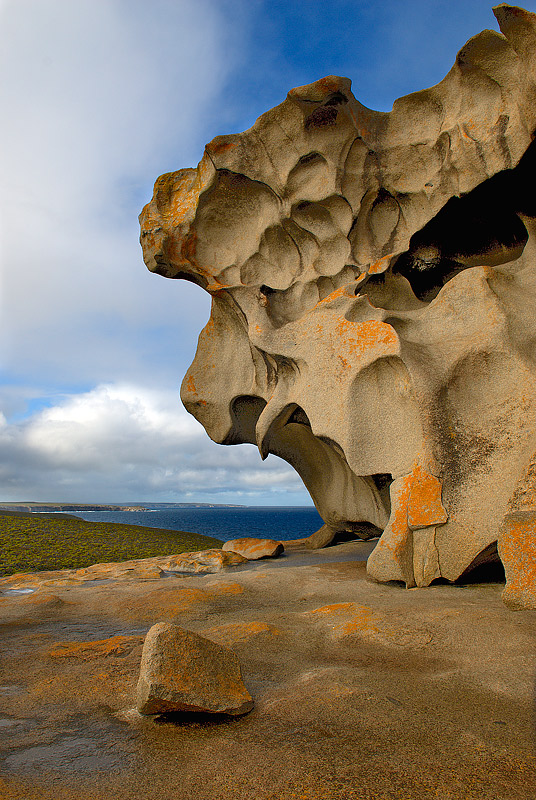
<point x="182" y="671"/>
<point x="373" y="281"/>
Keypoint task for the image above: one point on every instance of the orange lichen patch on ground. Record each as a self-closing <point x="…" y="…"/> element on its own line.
<point x="39" y="580"/>
<point x="517" y="550"/>
<point x="116" y="646"/>
<point x="334" y="608"/>
<point x="215" y="589"/>
<point x="381" y="265"/>
<point x="424" y="502"/>
<point x="354" y="620"/>
<point x="163" y="604"/>
<point x="177" y="599"/>
<point x="234" y="632"/>
<point x="17" y="789"/>
<point x="347" y="619"/>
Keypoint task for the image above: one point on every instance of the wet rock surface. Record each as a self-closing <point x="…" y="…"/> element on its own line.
<point x="355" y="685"/>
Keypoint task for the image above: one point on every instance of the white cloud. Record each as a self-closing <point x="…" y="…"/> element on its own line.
<point x="98" y="98"/>
<point x="125" y="442"/>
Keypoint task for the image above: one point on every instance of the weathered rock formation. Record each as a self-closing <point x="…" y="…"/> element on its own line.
<point x="374" y="282"/>
<point x="253" y="549"/>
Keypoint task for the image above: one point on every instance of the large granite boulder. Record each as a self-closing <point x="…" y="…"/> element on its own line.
<point x="184" y="672"/>
<point x="374" y="284"/>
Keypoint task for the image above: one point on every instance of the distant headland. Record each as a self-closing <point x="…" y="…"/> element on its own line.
<point x="37" y="508"/>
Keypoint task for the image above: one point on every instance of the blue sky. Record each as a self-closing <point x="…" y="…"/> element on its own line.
<point x="98" y="99"/>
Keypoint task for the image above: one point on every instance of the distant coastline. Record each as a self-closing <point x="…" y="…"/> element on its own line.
<point x="40" y="508"/>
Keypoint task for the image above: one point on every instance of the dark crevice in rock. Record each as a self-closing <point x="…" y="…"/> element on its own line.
<point x="383" y="483"/>
<point x="481" y="228"/>
<point x="485" y="568"/>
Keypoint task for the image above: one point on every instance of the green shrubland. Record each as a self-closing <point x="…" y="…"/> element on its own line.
<point x="35" y="542"/>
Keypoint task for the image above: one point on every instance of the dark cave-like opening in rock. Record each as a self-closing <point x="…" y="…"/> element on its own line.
<point x="485" y="568"/>
<point x="480" y="228"/>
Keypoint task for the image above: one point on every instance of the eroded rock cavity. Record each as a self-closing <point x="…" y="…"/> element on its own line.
<point x="374" y="284"/>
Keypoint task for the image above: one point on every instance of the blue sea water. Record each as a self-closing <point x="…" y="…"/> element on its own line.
<point x="263" y="522"/>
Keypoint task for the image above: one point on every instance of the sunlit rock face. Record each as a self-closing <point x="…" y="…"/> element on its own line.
<point x="374" y="291"/>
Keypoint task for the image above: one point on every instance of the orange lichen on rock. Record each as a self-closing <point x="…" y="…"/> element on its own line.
<point x="381" y="265"/>
<point x="372" y="339"/>
<point x="517" y="550"/>
<point x="221" y="144"/>
<point x="390" y="560"/>
<point x="372" y="276"/>
<point x="341" y="292"/>
<point x="424" y="502"/>
<point x="415" y="505"/>
<point x="182" y="671"/>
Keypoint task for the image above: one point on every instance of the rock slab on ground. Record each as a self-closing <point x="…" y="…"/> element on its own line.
<point x="204" y="561"/>
<point x="184" y="672"/>
<point x="253" y="549"/>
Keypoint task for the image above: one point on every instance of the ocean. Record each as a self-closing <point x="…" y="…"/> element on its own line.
<point x="262" y="522"/>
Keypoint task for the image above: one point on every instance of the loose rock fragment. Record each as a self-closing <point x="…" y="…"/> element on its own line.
<point x="253" y="549"/>
<point x="182" y="671"/>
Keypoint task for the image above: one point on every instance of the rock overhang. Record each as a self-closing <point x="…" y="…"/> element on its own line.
<point x="372" y="276"/>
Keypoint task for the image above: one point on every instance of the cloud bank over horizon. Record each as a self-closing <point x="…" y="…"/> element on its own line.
<point x="121" y="443"/>
<point x="99" y="98"/>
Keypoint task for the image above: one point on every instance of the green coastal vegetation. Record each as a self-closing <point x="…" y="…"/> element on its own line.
<point x="35" y="542"/>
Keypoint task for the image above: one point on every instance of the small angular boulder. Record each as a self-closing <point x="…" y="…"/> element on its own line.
<point x="203" y="562"/>
<point x="253" y="549"/>
<point x="182" y="671"/>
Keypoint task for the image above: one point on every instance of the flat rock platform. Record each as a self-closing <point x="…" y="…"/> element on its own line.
<point x="362" y="691"/>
